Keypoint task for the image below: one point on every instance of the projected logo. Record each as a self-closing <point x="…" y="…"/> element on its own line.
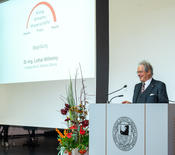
<point x="41" y="17"/>
<point x="39" y="44"/>
<point x="124" y="133"/>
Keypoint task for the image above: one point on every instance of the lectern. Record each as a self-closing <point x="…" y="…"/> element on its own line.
<point x="132" y="129"/>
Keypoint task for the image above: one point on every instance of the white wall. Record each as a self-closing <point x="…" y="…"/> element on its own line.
<point x="140" y="30"/>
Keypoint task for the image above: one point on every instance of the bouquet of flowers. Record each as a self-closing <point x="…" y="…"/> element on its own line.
<point x="76" y="135"/>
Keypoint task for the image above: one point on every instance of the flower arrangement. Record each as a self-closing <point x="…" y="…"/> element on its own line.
<point x="76" y="135"/>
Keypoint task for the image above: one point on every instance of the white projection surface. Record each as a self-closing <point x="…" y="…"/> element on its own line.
<point x="141" y="30"/>
<point x="38" y="103"/>
<point x="46" y="40"/>
<point x="42" y="44"/>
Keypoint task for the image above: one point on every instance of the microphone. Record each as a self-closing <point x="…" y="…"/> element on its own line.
<point x="115" y="97"/>
<point x="171" y="101"/>
<point x="118" y="90"/>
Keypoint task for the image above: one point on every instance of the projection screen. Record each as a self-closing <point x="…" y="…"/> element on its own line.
<point x="42" y="44"/>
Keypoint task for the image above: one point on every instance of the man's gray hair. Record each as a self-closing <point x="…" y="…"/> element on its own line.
<point x="147" y="66"/>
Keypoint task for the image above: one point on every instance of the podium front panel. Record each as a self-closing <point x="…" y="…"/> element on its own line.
<point x="97" y="141"/>
<point x="125" y="129"/>
<point x="157" y="129"/>
<point x="132" y="129"/>
<point x="171" y="129"/>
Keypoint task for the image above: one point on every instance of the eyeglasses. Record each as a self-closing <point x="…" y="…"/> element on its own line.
<point x="138" y="72"/>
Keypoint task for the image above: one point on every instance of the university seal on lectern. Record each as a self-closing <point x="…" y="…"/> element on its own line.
<point x="124" y="133"/>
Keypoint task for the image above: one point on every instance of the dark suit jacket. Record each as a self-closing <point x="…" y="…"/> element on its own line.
<point x="154" y="93"/>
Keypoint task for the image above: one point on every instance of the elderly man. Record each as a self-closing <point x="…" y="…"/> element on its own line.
<point x="149" y="90"/>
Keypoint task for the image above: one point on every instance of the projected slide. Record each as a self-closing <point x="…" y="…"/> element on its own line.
<point x="46" y="40"/>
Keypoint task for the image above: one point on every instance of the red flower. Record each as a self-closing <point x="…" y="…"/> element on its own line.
<point x="63" y="111"/>
<point x="73" y="127"/>
<point x="82" y="151"/>
<point x="82" y="132"/>
<point x="67" y="119"/>
<point x="67" y="109"/>
<point x="67" y="106"/>
<point x="69" y="135"/>
<point x="85" y="123"/>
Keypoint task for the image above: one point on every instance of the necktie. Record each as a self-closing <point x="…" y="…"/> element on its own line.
<point x="143" y="87"/>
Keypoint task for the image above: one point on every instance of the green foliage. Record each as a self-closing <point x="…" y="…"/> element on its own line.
<point x="76" y="135"/>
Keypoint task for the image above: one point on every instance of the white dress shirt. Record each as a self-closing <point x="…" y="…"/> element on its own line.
<point x="147" y="83"/>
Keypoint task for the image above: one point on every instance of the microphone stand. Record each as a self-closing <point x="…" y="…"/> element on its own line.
<point x="108" y="102"/>
<point x="118" y="90"/>
<point x="114" y="97"/>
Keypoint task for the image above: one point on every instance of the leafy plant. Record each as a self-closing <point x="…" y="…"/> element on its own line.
<point x="76" y="135"/>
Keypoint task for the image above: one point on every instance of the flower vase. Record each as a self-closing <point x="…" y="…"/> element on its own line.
<point x="67" y="153"/>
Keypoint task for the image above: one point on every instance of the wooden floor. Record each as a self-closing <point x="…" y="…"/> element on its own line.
<point x="18" y="146"/>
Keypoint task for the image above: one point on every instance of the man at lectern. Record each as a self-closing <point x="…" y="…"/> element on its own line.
<point x="148" y="90"/>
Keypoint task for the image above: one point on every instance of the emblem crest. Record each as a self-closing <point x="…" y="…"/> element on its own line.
<point x="124" y="133"/>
